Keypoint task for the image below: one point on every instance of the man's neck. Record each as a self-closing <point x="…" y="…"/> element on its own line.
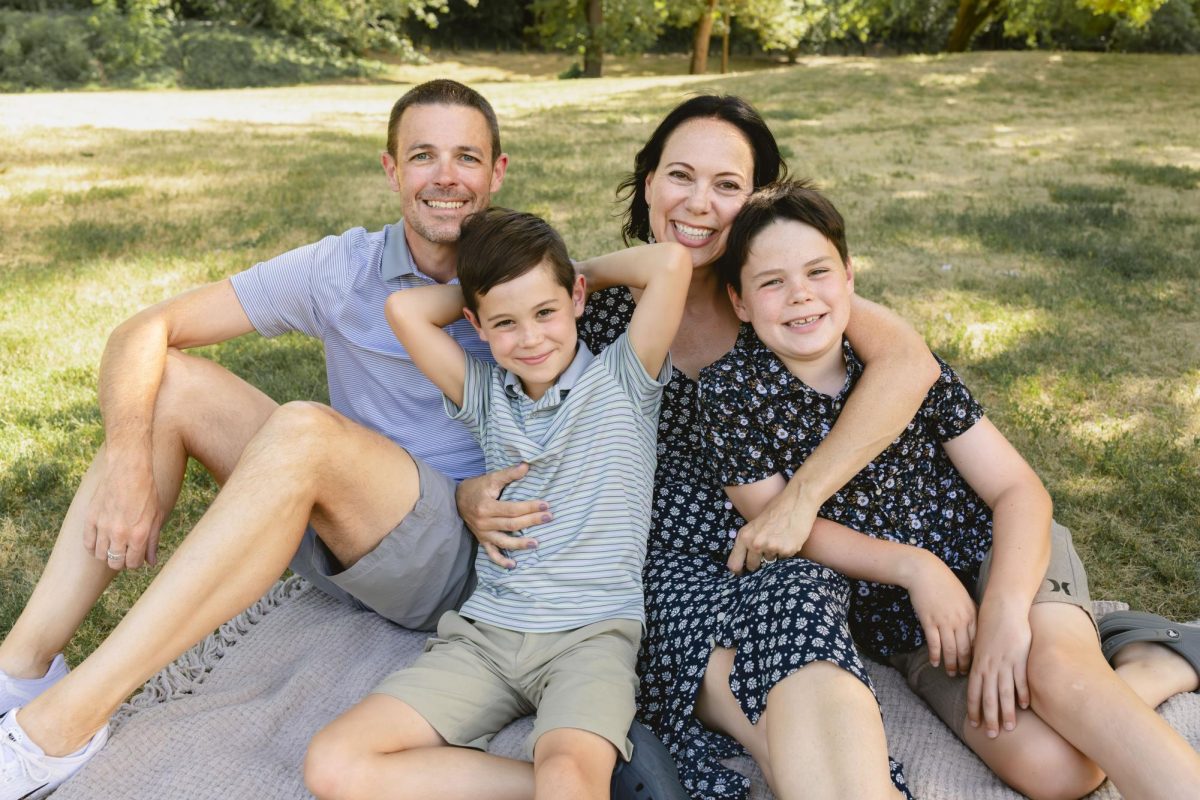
<point x="432" y="258"/>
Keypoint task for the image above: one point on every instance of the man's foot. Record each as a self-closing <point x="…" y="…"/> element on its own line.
<point x="16" y="692"/>
<point x="651" y="775"/>
<point x="27" y="773"/>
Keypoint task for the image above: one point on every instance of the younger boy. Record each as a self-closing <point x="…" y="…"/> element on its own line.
<point x="557" y="630"/>
<point x="949" y="503"/>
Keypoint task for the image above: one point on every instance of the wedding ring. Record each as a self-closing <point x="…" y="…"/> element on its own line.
<point x="769" y="560"/>
<point x="115" y="556"/>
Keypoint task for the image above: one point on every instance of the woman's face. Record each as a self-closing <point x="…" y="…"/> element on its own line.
<point x="704" y="176"/>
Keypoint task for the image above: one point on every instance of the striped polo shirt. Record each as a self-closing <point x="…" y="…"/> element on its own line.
<point x="590" y="444"/>
<point x="335" y="290"/>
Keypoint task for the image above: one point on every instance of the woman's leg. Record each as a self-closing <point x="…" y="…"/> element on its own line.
<point x="382" y="748"/>
<point x="820" y="736"/>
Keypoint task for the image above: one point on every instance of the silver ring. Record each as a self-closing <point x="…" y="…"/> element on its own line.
<point x="115" y="556"/>
<point x="769" y="560"/>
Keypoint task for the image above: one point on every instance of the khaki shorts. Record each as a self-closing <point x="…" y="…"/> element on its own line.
<point x="421" y="569"/>
<point x="474" y="678"/>
<point x="1066" y="582"/>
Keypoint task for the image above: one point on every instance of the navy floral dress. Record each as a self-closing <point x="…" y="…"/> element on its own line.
<point x="761" y="420"/>
<point x="784" y="616"/>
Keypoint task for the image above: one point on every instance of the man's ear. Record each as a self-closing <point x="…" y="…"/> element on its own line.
<point x="390" y="169"/>
<point x="579" y="295"/>
<point x="499" y="170"/>
<point x="739" y="307"/>
<point x="474" y="320"/>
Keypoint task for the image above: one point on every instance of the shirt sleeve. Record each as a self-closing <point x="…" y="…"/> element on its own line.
<point x="950" y="410"/>
<point x="298" y="290"/>
<point x="639" y="385"/>
<point x="735" y="446"/>
<point x="476" y="396"/>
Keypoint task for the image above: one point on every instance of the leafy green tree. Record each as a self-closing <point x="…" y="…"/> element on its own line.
<point x="1029" y="17"/>
<point x="591" y="28"/>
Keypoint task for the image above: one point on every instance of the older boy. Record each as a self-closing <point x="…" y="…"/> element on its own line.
<point x="949" y="500"/>
<point x="559" y="630"/>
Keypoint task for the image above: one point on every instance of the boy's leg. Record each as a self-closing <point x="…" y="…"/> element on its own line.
<point x="383" y="747"/>
<point x="821" y="735"/>
<point x="203" y="411"/>
<point x="306" y="462"/>
<point x="572" y="764"/>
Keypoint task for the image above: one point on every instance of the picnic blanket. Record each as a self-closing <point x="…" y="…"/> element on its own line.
<point x="232" y="717"/>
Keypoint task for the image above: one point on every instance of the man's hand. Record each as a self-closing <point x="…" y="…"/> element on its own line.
<point x="124" y="517"/>
<point x="492" y="520"/>
<point x="998" y="685"/>
<point x="779" y="531"/>
<point x="946" y="612"/>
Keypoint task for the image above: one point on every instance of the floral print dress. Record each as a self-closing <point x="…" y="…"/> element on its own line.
<point x="784" y="616"/>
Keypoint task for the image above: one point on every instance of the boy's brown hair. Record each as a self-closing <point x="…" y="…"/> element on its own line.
<point x="498" y="245"/>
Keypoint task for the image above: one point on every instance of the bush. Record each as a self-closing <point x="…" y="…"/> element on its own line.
<point x="43" y="50"/>
<point x="1174" y="28"/>
<point x="221" y="57"/>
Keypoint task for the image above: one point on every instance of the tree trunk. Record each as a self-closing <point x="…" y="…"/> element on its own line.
<point x="593" y="53"/>
<point x="725" y="43"/>
<point x="971" y="16"/>
<point x="703" y="37"/>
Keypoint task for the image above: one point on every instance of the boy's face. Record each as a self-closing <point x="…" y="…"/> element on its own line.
<point x="529" y="322"/>
<point x="795" y="293"/>
<point x="443" y="168"/>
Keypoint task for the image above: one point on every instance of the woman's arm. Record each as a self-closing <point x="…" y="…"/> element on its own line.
<point x="898" y="371"/>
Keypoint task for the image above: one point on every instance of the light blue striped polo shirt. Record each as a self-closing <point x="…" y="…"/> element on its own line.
<point x="590" y="444"/>
<point x="335" y="290"/>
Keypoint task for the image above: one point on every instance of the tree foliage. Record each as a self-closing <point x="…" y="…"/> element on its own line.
<point x="627" y="26"/>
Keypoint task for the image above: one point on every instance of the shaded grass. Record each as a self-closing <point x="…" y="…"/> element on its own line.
<point x="1039" y="236"/>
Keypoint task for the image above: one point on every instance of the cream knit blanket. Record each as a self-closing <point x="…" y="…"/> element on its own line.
<point x="231" y="718"/>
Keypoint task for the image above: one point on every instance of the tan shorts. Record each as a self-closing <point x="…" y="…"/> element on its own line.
<point x="1066" y="582"/>
<point x="474" y="678"/>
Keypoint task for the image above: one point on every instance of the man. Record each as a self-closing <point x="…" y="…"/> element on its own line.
<point x="303" y="484"/>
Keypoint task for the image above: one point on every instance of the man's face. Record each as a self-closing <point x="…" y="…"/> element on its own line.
<point x="443" y="169"/>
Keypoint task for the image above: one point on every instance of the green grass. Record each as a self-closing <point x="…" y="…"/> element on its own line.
<point x="1038" y="234"/>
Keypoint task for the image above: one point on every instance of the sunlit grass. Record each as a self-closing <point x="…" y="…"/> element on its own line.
<point x="1040" y="235"/>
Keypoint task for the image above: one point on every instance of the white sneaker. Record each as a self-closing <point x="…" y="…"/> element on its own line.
<point x="26" y="772"/>
<point x="16" y="692"/>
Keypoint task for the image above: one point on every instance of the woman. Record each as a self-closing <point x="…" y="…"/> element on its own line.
<point x="819" y="730"/>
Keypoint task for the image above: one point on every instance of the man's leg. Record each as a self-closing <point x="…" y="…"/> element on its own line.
<point x="306" y="462"/>
<point x="203" y="411"/>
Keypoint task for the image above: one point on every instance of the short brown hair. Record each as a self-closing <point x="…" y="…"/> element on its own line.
<point x="443" y="92"/>
<point x="795" y="200"/>
<point x="498" y="245"/>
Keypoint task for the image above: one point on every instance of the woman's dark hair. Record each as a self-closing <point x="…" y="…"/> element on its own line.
<point x="797" y="201"/>
<point x="768" y="161"/>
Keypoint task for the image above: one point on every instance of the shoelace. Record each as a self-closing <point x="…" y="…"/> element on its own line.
<point x="15" y="765"/>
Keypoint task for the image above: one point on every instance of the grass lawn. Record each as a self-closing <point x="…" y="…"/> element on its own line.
<point x="1036" y="215"/>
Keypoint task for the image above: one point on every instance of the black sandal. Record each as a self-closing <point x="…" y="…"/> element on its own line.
<point x="651" y="775"/>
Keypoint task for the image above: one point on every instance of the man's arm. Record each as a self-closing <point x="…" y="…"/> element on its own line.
<point x="417" y="317"/>
<point x="898" y="371"/>
<point x="663" y="272"/>
<point x="124" y="514"/>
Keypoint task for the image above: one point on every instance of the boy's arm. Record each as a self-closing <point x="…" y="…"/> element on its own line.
<point x="1021" y="513"/>
<point x="943" y="605"/>
<point x="663" y="272"/>
<point x="898" y="371"/>
<point x="417" y="317"/>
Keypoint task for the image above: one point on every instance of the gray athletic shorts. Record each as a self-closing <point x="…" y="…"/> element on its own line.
<point x="1065" y="582"/>
<point x="423" y="568"/>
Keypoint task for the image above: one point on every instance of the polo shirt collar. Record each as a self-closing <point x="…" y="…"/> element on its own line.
<point x="565" y="383"/>
<point x="397" y="261"/>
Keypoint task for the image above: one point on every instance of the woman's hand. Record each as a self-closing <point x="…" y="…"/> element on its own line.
<point x="492" y="520"/>
<point x="946" y="612"/>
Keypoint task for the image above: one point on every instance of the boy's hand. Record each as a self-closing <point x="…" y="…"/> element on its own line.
<point x="997" y="685"/>
<point x="491" y="520"/>
<point x="946" y="612"/>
